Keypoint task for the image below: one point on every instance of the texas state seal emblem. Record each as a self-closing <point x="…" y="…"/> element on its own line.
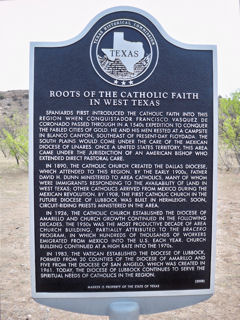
<point x="124" y="52"/>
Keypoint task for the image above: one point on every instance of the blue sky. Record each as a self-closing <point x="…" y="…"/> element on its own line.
<point x="188" y="21"/>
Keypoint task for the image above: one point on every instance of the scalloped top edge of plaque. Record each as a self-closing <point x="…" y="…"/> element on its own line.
<point x="130" y="9"/>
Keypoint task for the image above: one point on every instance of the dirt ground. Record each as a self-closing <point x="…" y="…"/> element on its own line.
<point x="16" y="301"/>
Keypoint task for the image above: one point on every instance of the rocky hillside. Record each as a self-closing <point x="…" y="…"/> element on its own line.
<point x="13" y="101"/>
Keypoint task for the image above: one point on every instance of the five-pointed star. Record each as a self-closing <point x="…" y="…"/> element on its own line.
<point x="130" y="82"/>
<point x="115" y="81"/>
<point x="123" y="82"/>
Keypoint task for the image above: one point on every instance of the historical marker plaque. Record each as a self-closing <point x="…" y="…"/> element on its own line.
<point x="123" y="163"/>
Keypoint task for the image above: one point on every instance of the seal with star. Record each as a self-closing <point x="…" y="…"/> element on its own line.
<point x="124" y="52"/>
